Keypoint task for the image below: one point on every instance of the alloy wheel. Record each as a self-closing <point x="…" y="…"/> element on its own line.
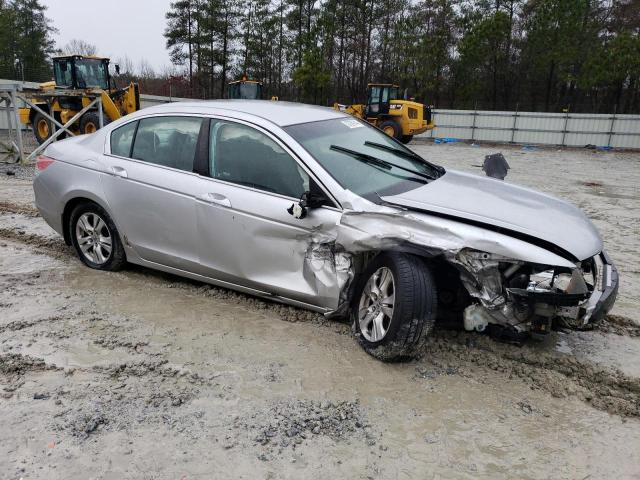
<point x="375" y="310"/>
<point x="94" y="238"/>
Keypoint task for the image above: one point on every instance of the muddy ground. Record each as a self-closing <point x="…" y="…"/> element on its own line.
<point x="143" y="375"/>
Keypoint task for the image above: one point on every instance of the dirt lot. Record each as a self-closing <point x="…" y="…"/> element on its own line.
<point x="142" y="375"/>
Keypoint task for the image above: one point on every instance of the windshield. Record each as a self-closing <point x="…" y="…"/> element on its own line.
<point x="91" y="73"/>
<point x="377" y="171"/>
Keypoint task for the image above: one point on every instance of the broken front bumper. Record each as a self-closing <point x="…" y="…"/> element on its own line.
<point x="605" y="293"/>
<point x="579" y="309"/>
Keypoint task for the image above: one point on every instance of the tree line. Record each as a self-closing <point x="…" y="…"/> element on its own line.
<point x="551" y="55"/>
<point x="25" y="40"/>
<point x="535" y="55"/>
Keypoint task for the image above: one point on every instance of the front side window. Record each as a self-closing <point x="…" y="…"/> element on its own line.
<point x="167" y="141"/>
<point x="122" y="138"/>
<point x="246" y="156"/>
<point x="362" y="158"/>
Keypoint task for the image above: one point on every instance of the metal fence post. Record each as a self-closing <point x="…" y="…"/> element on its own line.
<point x="7" y="109"/>
<point x="14" y="103"/>
<point x="515" y="121"/>
<point x="473" y="126"/>
<point x="613" y="121"/>
<point x="564" y="129"/>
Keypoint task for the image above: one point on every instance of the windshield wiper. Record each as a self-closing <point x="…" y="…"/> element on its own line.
<point x="404" y="154"/>
<point x="370" y="159"/>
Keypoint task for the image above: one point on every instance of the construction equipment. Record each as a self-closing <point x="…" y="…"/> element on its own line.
<point x="79" y="80"/>
<point x="397" y="116"/>
<point x="245" y="89"/>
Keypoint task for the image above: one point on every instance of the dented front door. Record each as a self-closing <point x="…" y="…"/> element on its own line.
<point x="247" y="236"/>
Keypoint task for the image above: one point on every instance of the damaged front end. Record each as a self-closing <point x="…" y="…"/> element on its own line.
<point x="517" y="297"/>
<point x="508" y="282"/>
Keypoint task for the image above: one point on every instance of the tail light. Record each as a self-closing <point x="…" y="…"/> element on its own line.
<point x="42" y="162"/>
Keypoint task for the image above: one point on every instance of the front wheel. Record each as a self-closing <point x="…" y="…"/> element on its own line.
<point x="394" y="307"/>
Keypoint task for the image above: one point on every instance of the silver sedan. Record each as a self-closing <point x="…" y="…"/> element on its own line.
<point x="311" y="207"/>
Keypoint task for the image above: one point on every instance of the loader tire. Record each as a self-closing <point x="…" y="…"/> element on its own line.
<point x="90" y="122"/>
<point x="41" y="128"/>
<point x="391" y="128"/>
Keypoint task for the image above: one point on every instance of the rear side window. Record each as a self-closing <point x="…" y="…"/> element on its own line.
<point x="246" y="156"/>
<point x="167" y="141"/>
<point x="122" y="138"/>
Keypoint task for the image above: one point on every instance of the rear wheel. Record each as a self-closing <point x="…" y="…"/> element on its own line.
<point x="406" y="139"/>
<point x="41" y="127"/>
<point x="95" y="238"/>
<point x="391" y="128"/>
<point x="394" y="307"/>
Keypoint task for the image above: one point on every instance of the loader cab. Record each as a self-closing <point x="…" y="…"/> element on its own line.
<point x="78" y="72"/>
<point x="379" y="96"/>
<point x="245" y="89"/>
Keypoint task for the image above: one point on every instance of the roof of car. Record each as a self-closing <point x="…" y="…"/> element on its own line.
<point x="280" y="113"/>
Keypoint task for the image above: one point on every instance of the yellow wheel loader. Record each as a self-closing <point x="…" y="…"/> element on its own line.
<point x="387" y="110"/>
<point x="78" y="80"/>
<point x="246" y="90"/>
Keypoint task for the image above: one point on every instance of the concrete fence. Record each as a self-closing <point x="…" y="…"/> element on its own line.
<point x="566" y="129"/>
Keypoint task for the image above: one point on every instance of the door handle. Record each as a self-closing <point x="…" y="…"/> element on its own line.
<point x="119" y="172"/>
<point x="216" y="198"/>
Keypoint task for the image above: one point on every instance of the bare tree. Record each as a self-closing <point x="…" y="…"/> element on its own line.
<point x="145" y="70"/>
<point x="79" y="47"/>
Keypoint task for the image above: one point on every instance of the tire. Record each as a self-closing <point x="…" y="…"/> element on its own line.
<point x="414" y="307"/>
<point x="406" y="139"/>
<point x="387" y="126"/>
<point x="41" y="126"/>
<point x="90" y="122"/>
<point x="93" y="252"/>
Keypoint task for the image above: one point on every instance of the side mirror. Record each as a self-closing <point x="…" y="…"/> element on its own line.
<point x="117" y="69"/>
<point x="307" y="200"/>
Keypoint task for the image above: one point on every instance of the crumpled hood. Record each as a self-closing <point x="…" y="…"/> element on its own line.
<point x="499" y="204"/>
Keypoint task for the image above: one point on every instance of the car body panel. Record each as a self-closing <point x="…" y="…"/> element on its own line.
<point x="271" y="244"/>
<point x="155" y="208"/>
<point x="508" y="206"/>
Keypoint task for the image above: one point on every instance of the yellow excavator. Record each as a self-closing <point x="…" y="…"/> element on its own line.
<point x="392" y="113"/>
<point x="78" y="80"/>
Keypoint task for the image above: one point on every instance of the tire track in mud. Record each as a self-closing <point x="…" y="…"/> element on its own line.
<point x="54" y="247"/>
<point x="619" y="325"/>
<point x="26" y="210"/>
<point x="23" y="324"/>
<point x="562" y="376"/>
<point x="605" y="388"/>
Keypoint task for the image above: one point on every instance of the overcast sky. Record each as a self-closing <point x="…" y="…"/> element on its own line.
<point x="116" y="27"/>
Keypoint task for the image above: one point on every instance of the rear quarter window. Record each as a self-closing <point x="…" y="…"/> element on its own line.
<point x="121" y="139"/>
